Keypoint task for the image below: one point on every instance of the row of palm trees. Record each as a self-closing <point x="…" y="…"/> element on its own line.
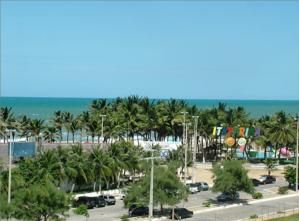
<point x="125" y="118"/>
<point x="135" y="116"/>
<point x="72" y="165"/>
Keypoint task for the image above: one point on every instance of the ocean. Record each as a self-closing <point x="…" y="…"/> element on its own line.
<point x="43" y="108"/>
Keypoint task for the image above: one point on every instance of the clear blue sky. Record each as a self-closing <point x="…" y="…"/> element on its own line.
<point x="194" y="49"/>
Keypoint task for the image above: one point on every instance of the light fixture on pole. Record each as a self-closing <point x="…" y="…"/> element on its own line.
<point x="194" y="146"/>
<point x="11" y="140"/>
<point x="151" y="198"/>
<point x="186" y="153"/>
<point x="184" y="144"/>
<point x="102" y="128"/>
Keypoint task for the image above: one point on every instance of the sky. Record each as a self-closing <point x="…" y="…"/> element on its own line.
<point x="158" y="49"/>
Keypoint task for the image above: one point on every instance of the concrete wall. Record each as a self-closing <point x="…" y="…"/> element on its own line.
<point x="46" y="146"/>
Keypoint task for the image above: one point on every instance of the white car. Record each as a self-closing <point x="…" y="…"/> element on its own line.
<point x="192" y="188"/>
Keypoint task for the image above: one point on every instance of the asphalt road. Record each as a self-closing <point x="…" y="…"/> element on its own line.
<point x="107" y="213"/>
<point x="195" y="200"/>
<point x="114" y="212"/>
<point x="245" y="211"/>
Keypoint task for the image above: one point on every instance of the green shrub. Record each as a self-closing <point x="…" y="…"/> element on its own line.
<point x="257" y="195"/>
<point x="254" y="216"/>
<point x="124" y="217"/>
<point x="81" y="210"/>
<point x="206" y="203"/>
<point x="283" y="190"/>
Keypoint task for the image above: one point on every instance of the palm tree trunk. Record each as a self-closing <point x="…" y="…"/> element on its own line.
<point x="94" y="186"/>
<point x="67" y="136"/>
<point x="100" y="185"/>
<point x="118" y="179"/>
<point x="73" y="187"/>
<point x="60" y="135"/>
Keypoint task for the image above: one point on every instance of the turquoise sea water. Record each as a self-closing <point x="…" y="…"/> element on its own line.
<point x="45" y="107"/>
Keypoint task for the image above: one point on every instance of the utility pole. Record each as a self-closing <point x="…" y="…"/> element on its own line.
<point x="11" y="140"/>
<point x="194" y="146"/>
<point x="184" y="144"/>
<point x="102" y="134"/>
<point x="186" y="153"/>
<point x="297" y="154"/>
<point x="151" y="198"/>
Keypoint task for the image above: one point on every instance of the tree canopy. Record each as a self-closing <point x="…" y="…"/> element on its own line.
<point x="230" y="177"/>
<point x="168" y="189"/>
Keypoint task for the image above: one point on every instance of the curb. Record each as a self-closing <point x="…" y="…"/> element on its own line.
<point x="242" y="204"/>
<point x="217" y="208"/>
<point x="273" y="198"/>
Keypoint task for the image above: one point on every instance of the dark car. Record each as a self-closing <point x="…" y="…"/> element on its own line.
<point x="293" y="186"/>
<point x="181" y="213"/>
<point x="90" y="202"/>
<point x="199" y="187"/>
<point x="255" y="182"/>
<point x="100" y="201"/>
<point x="265" y="179"/>
<point x="135" y="210"/>
<point x="110" y="200"/>
<point x="224" y="197"/>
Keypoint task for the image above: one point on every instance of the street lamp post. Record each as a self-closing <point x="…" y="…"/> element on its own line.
<point x="151" y="199"/>
<point x="10" y="132"/>
<point x="194" y="145"/>
<point x="102" y="134"/>
<point x="297" y="154"/>
<point x="184" y="143"/>
<point x="186" y="152"/>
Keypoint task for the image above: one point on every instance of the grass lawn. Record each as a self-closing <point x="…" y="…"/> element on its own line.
<point x="288" y="218"/>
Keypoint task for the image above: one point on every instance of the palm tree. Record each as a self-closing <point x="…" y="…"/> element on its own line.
<point x="36" y="127"/>
<point x="128" y="112"/>
<point x="67" y="121"/>
<point x="92" y="127"/>
<point x="66" y="163"/>
<point x="79" y="162"/>
<point x="49" y="167"/>
<point x="6" y="120"/>
<point x="281" y="131"/>
<point x="23" y="126"/>
<point x="51" y="134"/>
<point x="100" y="165"/>
<point x="58" y="122"/>
<point x="99" y="106"/>
<point x="74" y="126"/>
<point x="117" y="155"/>
<point x="84" y="121"/>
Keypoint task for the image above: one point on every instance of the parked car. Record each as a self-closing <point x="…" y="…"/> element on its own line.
<point x="135" y="210"/>
<point x="100" y="201"/>
<point x="224" y="197"/>
<point x="198" y="185"/>
<point x="204" y="186"/>
<point x="181" y="213"/>
<point x="90" y="202"/>
<point x="267" y="179"/>
<point x="193" y="188"/>
<point x="110" y="200"/>
<point x="293" y="186"/>
<point x="255" y="182"/>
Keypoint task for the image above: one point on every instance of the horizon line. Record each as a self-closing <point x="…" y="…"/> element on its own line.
<point x="95" y="98"/>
